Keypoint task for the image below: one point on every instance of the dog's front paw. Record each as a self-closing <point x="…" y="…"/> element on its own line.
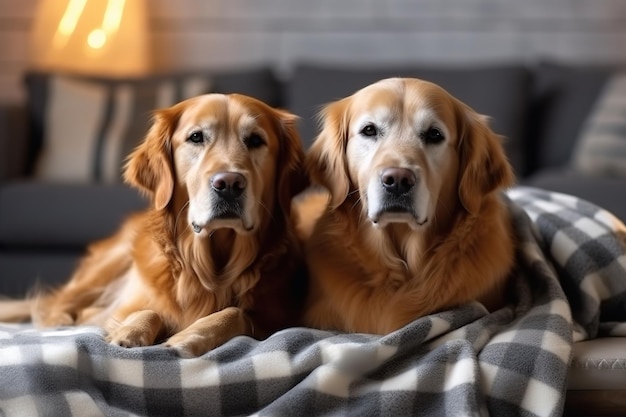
<point x="191" y="344"/>
<point x="140" y="328"/>
<point x="129" y="337"/>
<point x="209" y="332"/>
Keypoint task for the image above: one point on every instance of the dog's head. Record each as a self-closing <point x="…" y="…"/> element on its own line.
<point x="409" y="149"/>
<point x="234" y="160"/>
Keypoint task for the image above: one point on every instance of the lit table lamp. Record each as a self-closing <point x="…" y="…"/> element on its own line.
<point x="97" y="37"/>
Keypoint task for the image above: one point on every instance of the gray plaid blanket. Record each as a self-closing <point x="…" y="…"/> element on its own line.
<point x="570" y="285"/>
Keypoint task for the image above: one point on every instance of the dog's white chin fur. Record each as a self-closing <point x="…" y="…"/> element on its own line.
<point x="240" y="226"/>
<point x="382" y="220"/>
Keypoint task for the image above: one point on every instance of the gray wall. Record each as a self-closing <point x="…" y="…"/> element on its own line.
<point x="225" y="33"/>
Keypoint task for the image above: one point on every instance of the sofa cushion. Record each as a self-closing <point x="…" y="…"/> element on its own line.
<point x="500" y="92"/>
<point x="22" y="271"/>
<point x="601" y="147"/>
<point x="12" y="151"/>
<point x="605" y="192"/>
<point x="562" y="98"/>
<point x="35" y="215"/>
<point x="82" y="128"/>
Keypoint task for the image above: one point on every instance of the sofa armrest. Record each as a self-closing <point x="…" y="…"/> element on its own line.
<point x="13" y="141"/>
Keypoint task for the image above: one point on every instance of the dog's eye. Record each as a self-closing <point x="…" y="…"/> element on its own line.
<point x="254" y="141"/>
<point x="370" y="130"/>
<point x="432" y="136"/>
<point x="196" y="137"/>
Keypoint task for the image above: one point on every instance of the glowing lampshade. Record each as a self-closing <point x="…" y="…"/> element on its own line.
<point x="100" y="37"/>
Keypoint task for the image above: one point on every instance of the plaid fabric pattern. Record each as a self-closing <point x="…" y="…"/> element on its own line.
<point x="461" y="362"/>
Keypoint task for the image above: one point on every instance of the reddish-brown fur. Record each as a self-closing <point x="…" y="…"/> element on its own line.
<point x="457" y="248"/>
<point x="156" y="279"/>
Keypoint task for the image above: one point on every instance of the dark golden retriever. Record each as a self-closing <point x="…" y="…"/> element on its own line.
<point x="213" y="256"/>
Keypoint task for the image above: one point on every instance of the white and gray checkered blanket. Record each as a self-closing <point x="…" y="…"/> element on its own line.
<point x="570" y="285"/>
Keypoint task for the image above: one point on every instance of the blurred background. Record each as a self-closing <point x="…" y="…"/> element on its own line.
<point x="184" y="34"/>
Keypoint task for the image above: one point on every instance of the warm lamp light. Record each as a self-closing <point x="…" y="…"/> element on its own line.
<point x="99" y="37"/>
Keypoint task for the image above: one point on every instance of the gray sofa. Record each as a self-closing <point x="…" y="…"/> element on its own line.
<point x="542" y="110"/>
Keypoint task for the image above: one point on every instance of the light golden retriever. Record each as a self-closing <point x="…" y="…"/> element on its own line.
<point x="213" y="257"/>
<point x="415" y="223"/>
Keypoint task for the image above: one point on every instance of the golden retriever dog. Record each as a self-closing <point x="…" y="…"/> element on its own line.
<point x="213" y="256"/>
<point x="415" y="223"/>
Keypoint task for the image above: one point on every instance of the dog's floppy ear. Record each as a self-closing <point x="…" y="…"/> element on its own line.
<point x="149" y="167"/>
<point x="291" y="176"/>
<point x="484" y="166"/>
<point x="326" y="158"/>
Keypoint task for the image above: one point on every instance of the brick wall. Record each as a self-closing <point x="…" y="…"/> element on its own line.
<point x="226" y="33"/>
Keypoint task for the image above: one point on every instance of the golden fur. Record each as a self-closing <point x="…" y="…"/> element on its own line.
<point x="213" y="257"/>
<point x="415" y="223"/>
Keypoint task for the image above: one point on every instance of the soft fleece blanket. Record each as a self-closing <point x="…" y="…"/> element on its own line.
<point x="570" y="285"/>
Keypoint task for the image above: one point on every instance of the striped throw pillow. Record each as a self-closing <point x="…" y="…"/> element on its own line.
<point x="601" y="147"/>
<point x="91" y="125"/>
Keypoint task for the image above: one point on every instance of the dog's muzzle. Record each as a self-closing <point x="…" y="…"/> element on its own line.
<point x="392" y="199"/>
<point x="223" y="204"/>
<point x="397" y="181"/>
<point x="229" y="186"/>
<point x="398" y="184"/>
<point x="229" y="189"/>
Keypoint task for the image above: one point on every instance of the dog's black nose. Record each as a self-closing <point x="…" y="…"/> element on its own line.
<point x="397" y="180"/>
<point x="228" y="185"/>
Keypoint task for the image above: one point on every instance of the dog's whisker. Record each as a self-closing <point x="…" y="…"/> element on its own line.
<point x="357" y="201"/>
<point x="266" y="209"/>
<point x="176" y="221"/>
